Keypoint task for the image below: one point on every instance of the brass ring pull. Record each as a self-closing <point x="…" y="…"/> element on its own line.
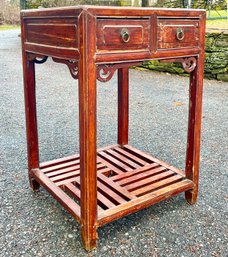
<point x="125" y="35"/>
<point x="180" y="34"/>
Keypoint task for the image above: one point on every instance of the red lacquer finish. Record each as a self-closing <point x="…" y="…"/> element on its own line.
<point x="98" y="186"/>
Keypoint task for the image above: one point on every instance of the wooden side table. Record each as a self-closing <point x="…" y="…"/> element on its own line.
<point x="99" y="186"/>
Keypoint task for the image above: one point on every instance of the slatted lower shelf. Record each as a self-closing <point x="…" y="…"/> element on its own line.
<point x="127" y="180"/>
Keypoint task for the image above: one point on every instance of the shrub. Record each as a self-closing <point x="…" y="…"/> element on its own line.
<point x="9" y="12"/>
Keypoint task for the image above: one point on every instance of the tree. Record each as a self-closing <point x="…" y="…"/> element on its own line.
<point x="23" y="4"/>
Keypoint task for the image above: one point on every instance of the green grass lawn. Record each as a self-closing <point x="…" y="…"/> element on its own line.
<point x="217" y="14"/>
<point x="7" y="27"/>
<point x="218" y="24"/>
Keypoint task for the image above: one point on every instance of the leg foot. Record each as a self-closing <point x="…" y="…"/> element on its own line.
<point x="89" y="238"/>
<point x="191" y="196"/>
<point x="34" y="185"/>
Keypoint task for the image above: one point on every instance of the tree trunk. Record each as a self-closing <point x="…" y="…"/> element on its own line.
<point x="23" y="4"/>
<point x="145" y="3"/>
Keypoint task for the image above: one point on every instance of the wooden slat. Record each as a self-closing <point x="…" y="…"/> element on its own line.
<point x="143" y="201"/>
<point x="140" y="176"/>
<point x="115" y="186"/>
<point x="104" y="200"/>
<point x="114" y="161"/>
<point x="131" y="156"/>
<point x="70" y="158"/>
<point x="112" y="167"/>
<point x="112" y="194"/>
<point x="73" y="173"/>
<point x="65" y="176"/>
<point x="147" y="156"/>
<point x="107" y="172"/>
<point x="66" y="181"/>
<point x="71" y="206"/>
<point x="60" y="166"/>
<point x="156" y="185"/>
<point x="123" y="159"/>
<point x="101" y="149"/>
<point x="134" y="172"/>
<point x="104" y="170"/>
<point x="69" y="180"/>
<point x="101" y="166"/>
<point x="71" y="168"/>
<point x="72" y="189"/>
<point x="101" y="198"/>
<point x="150" y="180"/>
<point x="104" y="189"/>
<point x="47" y="164"/>
<point x="63" y="171"/>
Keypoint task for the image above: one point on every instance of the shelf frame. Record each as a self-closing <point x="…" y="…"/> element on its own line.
<point x="127" y="180"/>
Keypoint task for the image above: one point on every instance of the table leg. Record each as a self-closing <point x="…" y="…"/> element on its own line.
<point x="123" y="105"/>
<point x="31" y="119"/>
<point x="194" y="129"/>
<point x="88" y="176"/>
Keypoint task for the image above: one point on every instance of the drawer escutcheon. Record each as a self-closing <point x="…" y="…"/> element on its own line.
<point x="180" y="34"/>
<point x="125" y="35"/>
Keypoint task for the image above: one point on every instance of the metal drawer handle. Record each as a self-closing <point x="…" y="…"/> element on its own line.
<point x="125" y="35"/>
<point x="180" y="34"/>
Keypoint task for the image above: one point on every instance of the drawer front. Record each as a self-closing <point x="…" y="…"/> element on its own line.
<point x="177" y="33"/>
<point x="54" y="32"/>
<point x="123" y="34"/>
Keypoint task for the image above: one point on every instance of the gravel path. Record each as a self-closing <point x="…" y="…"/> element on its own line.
<point x="33" y="224"/>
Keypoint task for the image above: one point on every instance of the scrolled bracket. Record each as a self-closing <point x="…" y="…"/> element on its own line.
<point x="36" y="58"/>
<point x="71" y="64"/>
<point x="106" y="71"/>
<point x="41" y="60"/>
<point x="188" y="63"/>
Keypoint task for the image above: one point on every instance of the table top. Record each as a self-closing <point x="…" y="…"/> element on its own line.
<point x="114" y="34"/>
<point x="110" y="10"/>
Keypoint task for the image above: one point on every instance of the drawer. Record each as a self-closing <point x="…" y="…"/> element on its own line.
<point x="123" y="34"/>
<point x="54" y="32"/>
<point x="177" y="33"/>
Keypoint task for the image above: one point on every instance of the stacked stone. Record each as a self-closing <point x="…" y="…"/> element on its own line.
<point x="216" y="58"/>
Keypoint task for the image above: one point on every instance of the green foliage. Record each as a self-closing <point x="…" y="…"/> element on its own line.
<point x="168" y="67"/>
<point x="124" y="2"/>
<point x="218" y="4"/>
<point x="51" y="3"/>
<point x="216" y="59"/>
<point x="58" y="3"/>
<point x="9" y="12"/>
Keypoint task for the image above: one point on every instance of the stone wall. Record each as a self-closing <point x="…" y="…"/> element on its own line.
<point x="216" y="58"/>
